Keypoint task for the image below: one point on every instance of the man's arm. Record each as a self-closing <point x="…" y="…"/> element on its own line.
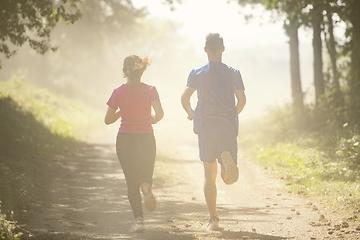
<point x="185" y="101"/>
<point x="241" y="100"/>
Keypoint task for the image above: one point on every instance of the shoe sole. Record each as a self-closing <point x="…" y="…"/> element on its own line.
<point x="138" y="229"/>
<point x="149" y="199"/>
<point x="231" y="169"/>
<point x="214" y="228"/>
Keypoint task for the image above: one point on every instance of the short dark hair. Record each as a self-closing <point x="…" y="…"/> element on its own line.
<point x="214" y="41"/>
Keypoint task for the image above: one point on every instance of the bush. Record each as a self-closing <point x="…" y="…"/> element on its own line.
<point x="316" y="154"/>
<point x="349" y="150"/>
<point x="6" y="229"/>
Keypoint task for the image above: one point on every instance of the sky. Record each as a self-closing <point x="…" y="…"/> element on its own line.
<point x="258" y="48"/>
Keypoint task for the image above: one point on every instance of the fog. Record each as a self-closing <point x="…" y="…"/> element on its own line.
<point x="88" y="64"/>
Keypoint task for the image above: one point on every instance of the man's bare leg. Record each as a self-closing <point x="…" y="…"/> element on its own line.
<point x="210" y="191"/>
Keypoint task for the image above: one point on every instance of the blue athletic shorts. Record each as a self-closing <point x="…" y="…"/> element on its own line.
<point x="213" y="143"/>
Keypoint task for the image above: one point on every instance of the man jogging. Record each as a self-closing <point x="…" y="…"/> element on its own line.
<point x="221" y="98"/>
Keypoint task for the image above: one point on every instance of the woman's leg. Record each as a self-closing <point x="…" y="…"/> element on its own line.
<point x="127" y="153"/>
<point x="146" y="157"/>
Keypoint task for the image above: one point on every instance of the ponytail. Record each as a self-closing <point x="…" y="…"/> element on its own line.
<point x="134" y="65"/>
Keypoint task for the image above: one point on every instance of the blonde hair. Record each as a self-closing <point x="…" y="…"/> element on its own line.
<point x="134" y="65"/>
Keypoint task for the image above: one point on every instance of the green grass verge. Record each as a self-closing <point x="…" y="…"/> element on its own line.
<point x="62" y="116"/>
<point x="316" y="154"/>
<point x="313" y="173"/>
<point x="35" y="125"/>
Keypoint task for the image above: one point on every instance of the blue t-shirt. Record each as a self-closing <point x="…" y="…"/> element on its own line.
<point x="215" y="84"/>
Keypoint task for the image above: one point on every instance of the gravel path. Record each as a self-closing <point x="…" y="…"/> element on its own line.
<point x="88" y="201"/>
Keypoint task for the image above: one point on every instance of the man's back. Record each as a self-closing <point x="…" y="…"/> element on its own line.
<point x="215" y="84"/>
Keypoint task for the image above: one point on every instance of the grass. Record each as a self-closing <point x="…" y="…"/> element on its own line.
<point x="35" y="125"/>
<point x="310" y="172"/>
<point x="308" y="168"/>
<point x="60" y="115"/>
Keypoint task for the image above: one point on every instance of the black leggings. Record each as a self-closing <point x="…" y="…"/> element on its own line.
<point x="136" y="153"/>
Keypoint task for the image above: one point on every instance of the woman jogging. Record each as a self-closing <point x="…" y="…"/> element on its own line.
<point x="133" y="102"/>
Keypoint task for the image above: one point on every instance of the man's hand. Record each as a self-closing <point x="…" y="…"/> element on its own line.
<point x="241" y="100"/>
<point x="190" y="114"/>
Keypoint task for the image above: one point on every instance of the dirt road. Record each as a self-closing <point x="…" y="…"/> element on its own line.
<point x="88" y="201"/>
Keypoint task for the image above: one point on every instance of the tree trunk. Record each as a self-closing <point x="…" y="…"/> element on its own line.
<point x="317" y="48"/>
<point x="335" y="90"/>
<point x="355" y="62"/>
<point x="331" y="46"/>
<point x="296" y="89"/>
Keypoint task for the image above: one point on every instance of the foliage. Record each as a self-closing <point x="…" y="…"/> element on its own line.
<point x="327" y="16"/>
<point x="33" y="129"/>
<point x="316" y="159"/>
<point x="349" y="150"/>
<point x="67" y="118"/>
<point x="87" y="65"/>
<point x="6" y="228"/>
<point x="172" y="3"/>
<point x="279" y="125"/>
<point x="318" y="151"/>
<point x="32" y="21"/>
<point x="24" y="144"/>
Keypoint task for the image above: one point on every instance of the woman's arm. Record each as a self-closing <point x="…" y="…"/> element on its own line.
<point x="241" y="100"/>
<point x="159" y="112"/>
<point x="112" y="115"/>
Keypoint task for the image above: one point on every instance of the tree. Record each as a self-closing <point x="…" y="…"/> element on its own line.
<point x="102" y="24"/>
<point x="352" y="8"/>
<point x="335" y="92"/>
<point x="349" y="12"/>
<point x="331" y="47"/>
<point x="338" y="97"/>
<point x="296" y="88"/>
<point x="316" y="15"/>
<point x="32" y="21"/>
<point x="89" y="60"/>
<point x="292" y="10"/>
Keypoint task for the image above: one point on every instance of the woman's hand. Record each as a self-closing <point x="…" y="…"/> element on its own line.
<point x="159" y="112"/>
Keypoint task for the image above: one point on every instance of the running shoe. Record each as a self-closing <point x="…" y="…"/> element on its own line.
<point x="139" y="226"/>
<point x="229" y="166"/>
<point x="213" y="223"/>
<point x="149" y="198"/>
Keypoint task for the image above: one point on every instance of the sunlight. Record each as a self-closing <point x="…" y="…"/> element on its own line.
<point x="258" y="48"/>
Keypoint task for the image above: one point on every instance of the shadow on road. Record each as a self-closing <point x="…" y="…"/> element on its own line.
<point x="87" y="200"/>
